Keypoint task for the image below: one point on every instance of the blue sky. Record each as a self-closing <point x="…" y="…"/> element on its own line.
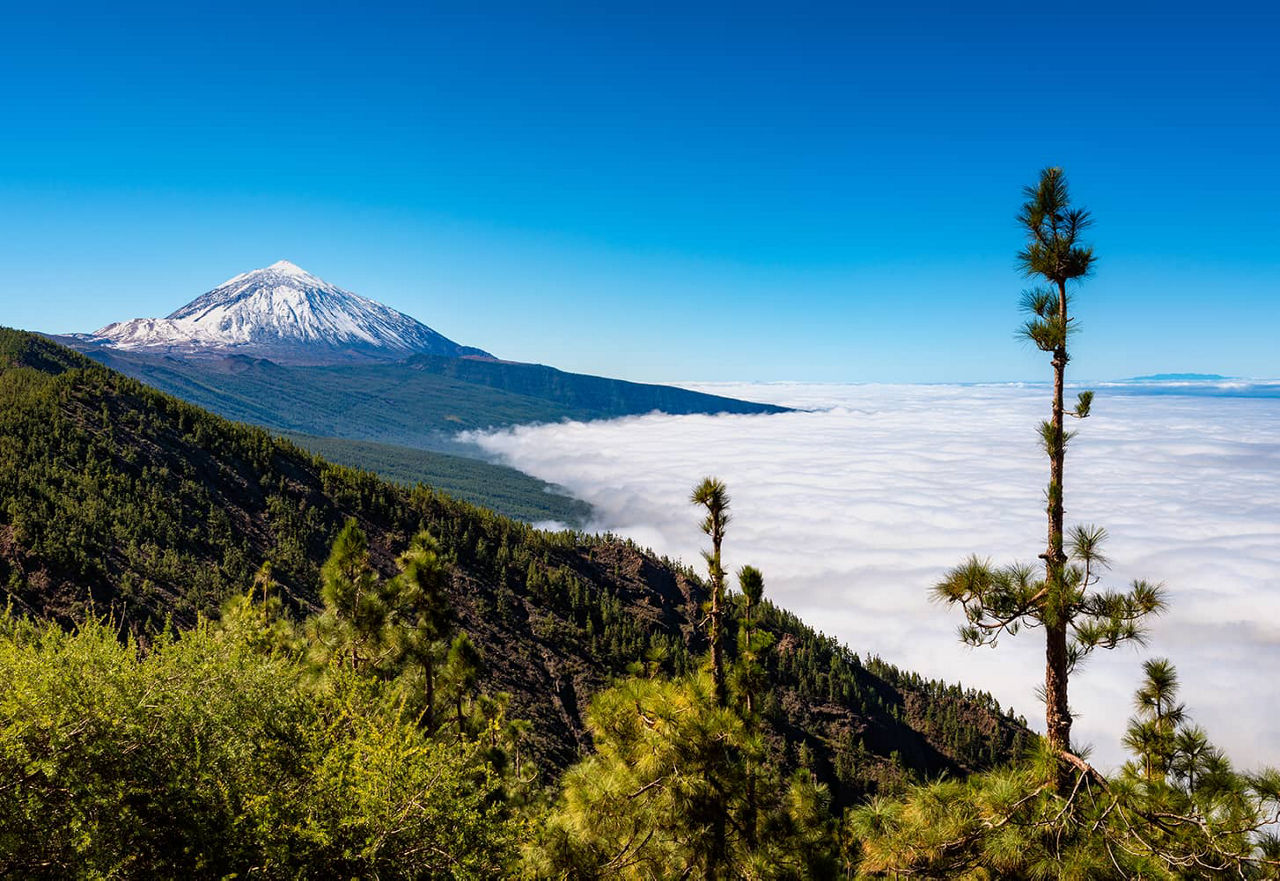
<point x="688" y="191"/>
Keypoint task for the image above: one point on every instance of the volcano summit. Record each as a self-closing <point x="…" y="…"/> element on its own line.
<point x="286" y="314"/>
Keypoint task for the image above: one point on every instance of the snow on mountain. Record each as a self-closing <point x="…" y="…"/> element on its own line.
<point x="285" y="313"/>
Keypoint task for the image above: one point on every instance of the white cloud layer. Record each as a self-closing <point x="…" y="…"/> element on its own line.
<point x="855" y="509"/>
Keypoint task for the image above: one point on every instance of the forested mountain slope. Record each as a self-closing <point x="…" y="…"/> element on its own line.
<point x="420" y="402"/>
<point x="118" y="498"/>
<point x="498" y="487"/>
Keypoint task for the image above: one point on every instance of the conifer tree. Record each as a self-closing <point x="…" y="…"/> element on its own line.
<point x="1179" y="810"/>
<point x="1054" y="254"/>
<point x="463" y="667"/>
<point x="418" y="593"/>
<point x="1076" y="618"/>
<point x="681" y="787"/>
<point x="712" y="495"/>
<point x="751" y="582"/>
<point x="751" y="677"/>
<point x="353" y="628"/>
<point x="1152" y="735"/>
<point x="394" y="629"/>
<point x="1187" y="805"/>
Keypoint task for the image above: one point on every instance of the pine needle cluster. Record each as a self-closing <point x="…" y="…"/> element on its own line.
<point x="1177" y="810"/>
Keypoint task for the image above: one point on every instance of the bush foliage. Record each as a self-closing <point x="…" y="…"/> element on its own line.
<point x="215" y="752"/>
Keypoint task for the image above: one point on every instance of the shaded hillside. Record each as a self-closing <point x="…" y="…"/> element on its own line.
<point x="591" y="397"/>
<point x="497" y="487"/>
<point x="422" y="402"/>
<point x="114" y="494"/>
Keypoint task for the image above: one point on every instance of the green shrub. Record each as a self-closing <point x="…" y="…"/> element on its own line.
<point x="212" y="754"/>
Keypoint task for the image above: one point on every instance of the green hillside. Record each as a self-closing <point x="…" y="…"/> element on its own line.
<point x="119" y="498"/>
<point x="422" y="402"/>
<point x="497" y="487"/>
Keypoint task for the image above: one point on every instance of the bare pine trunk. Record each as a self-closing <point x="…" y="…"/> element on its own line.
<point x="717" y="598"/>
<point x="719" y="845"/>
<point x="1057" y="713"/>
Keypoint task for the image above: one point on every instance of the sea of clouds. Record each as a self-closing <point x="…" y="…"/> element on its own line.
<point x="856" y="505"/>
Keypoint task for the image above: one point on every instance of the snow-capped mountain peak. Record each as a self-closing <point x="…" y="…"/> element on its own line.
<point x="285" y="313"/>
<point x="284" y="267"/>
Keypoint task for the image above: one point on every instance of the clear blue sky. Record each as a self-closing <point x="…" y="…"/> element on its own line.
<point x="689" y="191"/>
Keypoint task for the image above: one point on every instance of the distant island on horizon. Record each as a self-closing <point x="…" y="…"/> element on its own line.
<point x="1170" y="377"/>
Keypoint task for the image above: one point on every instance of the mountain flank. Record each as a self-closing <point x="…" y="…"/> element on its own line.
<point x="283" y="349"/>
<point x="421" y="402"/>
<point x="497" y="487"/>
<point x="120" y="500"/>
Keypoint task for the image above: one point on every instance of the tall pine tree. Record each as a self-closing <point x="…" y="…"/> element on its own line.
<point x="1076" y="616"/>
<point x="713" y="496"/>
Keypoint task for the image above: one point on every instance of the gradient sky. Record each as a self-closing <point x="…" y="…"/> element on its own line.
<point x="739" y="192"/>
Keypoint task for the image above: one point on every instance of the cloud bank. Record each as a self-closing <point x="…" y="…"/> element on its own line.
<point x="856" y="507"/>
